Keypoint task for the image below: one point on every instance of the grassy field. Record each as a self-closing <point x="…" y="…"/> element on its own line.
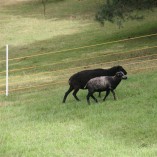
<point x="33" y="120"/>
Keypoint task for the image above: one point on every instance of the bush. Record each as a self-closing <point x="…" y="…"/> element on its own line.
<point x="119" y="10"/>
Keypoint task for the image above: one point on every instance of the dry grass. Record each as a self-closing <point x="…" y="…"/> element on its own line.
<point x="12" y="2"/>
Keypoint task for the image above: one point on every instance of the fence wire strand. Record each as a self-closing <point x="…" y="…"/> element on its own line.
<point x="83" y="47"/>
<point x="86" y="66"/>
<point x="141" y="57"/>
<point x="34" y="67"/>
<point x="126" y="64"/>
<point x="43" y="85"/>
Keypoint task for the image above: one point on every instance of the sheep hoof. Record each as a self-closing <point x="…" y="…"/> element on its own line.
<point x="88" y="103"/>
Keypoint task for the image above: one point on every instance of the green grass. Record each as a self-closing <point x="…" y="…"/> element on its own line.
<point x="38" y="124"/>
<point x="34" y="122"/>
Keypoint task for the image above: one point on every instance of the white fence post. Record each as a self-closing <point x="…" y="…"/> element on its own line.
<point x="7" y="70"/>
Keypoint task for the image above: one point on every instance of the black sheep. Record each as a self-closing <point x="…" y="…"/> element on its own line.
<point x="104" y="83"/>
<point x="80" y="79"/>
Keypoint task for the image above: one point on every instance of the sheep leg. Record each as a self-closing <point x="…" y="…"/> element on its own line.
<point x="74" y="94"/>
<point x="88" y="96"/>
<point x="114" y="95"/>
<point x="94" y="98"/>
<point x="99" y="95"/>
<point x="67" y="93"/>
<point x="107" y="93"/>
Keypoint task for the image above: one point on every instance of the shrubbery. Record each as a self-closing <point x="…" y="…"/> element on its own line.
<point x="119" y="10"/>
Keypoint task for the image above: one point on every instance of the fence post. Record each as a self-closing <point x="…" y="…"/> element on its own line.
<point x="7" y="70"/>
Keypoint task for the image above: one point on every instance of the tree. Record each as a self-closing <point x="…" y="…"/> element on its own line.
<point x="120" y="10"/>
